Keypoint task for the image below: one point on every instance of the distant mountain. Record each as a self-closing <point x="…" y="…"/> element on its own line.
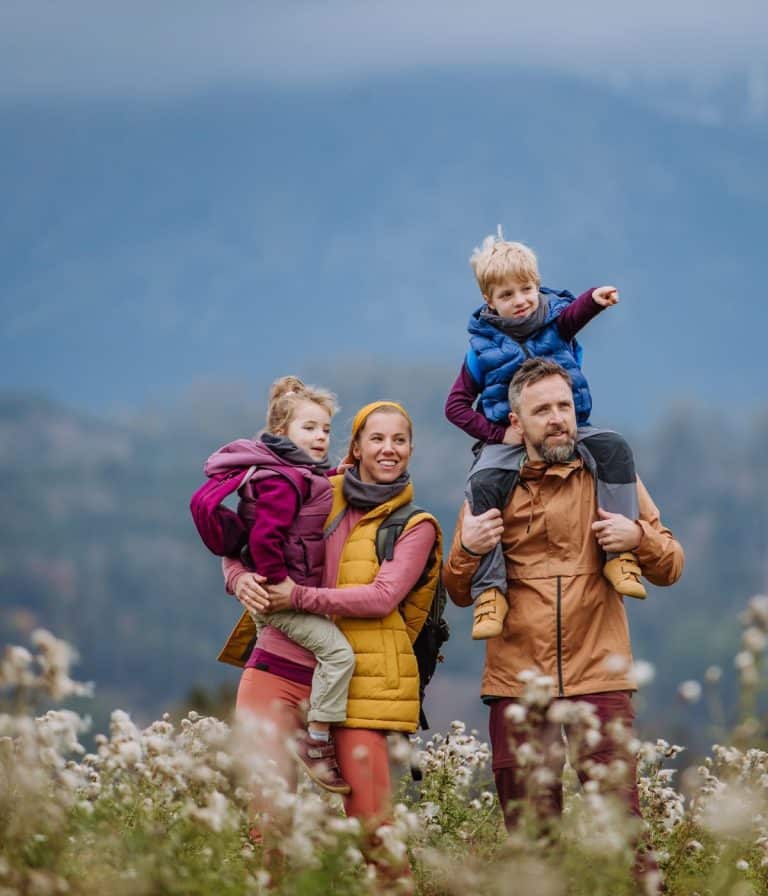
<point x="237" y="236"/>
<point x="96" y="542"/>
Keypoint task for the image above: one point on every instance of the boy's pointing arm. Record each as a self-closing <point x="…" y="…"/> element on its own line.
<point x="582" y="310"/>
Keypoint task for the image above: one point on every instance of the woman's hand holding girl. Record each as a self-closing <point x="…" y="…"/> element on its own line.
<point x="280" y="595"/>
<point x="249" y="591"/>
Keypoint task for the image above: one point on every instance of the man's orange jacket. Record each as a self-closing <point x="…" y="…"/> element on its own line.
<point x="564" y="620"/>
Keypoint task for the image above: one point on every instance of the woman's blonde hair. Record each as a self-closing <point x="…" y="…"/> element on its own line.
<point x="286" y="394"/>
<point x="497" y="258"/>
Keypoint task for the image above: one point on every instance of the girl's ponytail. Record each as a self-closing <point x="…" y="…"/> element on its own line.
<point x="284" y="396"/>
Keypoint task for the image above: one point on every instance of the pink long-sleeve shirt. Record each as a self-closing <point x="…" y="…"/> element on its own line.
<point x="394" y="580"/>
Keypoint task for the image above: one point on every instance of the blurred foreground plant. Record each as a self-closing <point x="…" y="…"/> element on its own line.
<point x="196" y="807"/>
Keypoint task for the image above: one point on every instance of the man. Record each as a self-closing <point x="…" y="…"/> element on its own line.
<point x="564" y="621"/>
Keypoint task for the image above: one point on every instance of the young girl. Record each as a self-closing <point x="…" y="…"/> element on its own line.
<point x="284" y="501"/>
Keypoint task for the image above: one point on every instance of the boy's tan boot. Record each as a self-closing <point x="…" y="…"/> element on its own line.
<point x="490" y="609"/>
<point x="623" y="572"/>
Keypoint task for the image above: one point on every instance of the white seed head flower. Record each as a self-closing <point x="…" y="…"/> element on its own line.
<point x="743" y="660"/>
<point x="642" y="672"/>
<point x="713" y="674"/>
<point x="730" y="811"/>
<point x="592" y="737"/>
<point x="689" y="691"/>
<point x="130" y="752"/>
<point x="353" y="855"/>
<point x="758" y="608"/>
<point x="616" y="663"/>
<point x="400" y="749"/>
<point x="526" y="675"/>
<point x="515" y="713"/>
<point x="15" y="667"/>
<point x="754" y="640"/>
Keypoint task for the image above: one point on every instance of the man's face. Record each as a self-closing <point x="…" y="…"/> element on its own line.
<point x="546" y="420"/>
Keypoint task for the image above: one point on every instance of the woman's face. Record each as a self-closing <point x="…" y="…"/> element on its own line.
<point x="383" y="447"/>
<point x="310" y="429"/>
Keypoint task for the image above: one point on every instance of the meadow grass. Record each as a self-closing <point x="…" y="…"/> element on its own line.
<point x="190" y="807"/>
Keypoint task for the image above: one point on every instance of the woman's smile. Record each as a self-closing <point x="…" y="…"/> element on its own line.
<point x="383" y="447"/>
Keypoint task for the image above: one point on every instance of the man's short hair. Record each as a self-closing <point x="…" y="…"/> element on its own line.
<point x="530" y="372"/>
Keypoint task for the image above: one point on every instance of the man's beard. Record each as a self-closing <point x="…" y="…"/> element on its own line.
<point x="559" y="453"/>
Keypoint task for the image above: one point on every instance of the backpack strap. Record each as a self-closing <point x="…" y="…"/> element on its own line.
<point x="391" y="529"/>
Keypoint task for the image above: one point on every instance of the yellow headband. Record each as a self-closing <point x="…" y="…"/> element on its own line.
<point x="364" y="413"/>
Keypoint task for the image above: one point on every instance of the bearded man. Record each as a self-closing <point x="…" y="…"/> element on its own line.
<point x="565" y="621"/>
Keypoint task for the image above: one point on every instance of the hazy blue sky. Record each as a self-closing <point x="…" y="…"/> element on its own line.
<point x="98" y="47"/>
<point x="169" y="169"/>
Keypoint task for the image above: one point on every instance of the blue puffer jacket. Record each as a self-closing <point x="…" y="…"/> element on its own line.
<point x="493" y="358"/>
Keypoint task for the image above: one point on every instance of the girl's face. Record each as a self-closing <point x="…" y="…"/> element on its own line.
<point x="310" y="429"/>
<point x="383" y="447"/>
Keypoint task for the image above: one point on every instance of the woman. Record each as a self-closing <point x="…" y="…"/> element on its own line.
<point x="366" y="599"/>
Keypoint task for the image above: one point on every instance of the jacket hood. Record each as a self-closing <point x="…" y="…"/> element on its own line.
<point x="238" y="454"/>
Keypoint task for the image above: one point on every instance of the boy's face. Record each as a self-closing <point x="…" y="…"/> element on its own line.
<point x="513" y="298"/>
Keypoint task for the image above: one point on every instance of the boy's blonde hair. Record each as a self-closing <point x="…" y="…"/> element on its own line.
<point x="286" y="394"/>
<point x="497" y="259"/>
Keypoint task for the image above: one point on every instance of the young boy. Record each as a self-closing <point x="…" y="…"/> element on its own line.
<point x="521" y="319"/>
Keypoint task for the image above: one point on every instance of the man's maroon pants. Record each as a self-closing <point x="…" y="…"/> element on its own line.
<point x="513" y="784"/>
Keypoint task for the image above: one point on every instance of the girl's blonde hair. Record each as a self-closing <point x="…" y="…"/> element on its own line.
<point x="498" y="259"/>
<point x="286" y="394"/>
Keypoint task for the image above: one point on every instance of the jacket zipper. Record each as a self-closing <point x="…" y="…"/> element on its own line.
<point x="561" y="691"/>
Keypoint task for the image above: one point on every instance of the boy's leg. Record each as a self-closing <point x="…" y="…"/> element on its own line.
<point x="491" y="479"/>
<point x="330" y="687"/>
<point x="613" y="465"/>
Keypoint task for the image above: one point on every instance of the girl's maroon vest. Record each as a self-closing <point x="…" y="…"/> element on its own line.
<point x="304" y="548"/>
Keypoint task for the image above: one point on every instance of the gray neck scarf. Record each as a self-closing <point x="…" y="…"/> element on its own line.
<point x="289" y="451"/>
<point x="519" y="330"/>
<point x="367" y="495"/>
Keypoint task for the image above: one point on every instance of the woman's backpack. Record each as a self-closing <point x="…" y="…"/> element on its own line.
<point x="435" y="631"/>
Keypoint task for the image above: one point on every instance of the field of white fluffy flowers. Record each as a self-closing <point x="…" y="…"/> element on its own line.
<point x="175" y="808"/>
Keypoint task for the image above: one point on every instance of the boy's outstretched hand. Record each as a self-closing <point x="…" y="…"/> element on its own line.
<point x="606" y="295"/>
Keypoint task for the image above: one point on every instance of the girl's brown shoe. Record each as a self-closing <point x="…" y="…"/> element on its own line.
<point x="318" y="759"/>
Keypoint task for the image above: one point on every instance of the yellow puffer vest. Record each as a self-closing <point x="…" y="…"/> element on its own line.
<point x="384" y="691"/>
